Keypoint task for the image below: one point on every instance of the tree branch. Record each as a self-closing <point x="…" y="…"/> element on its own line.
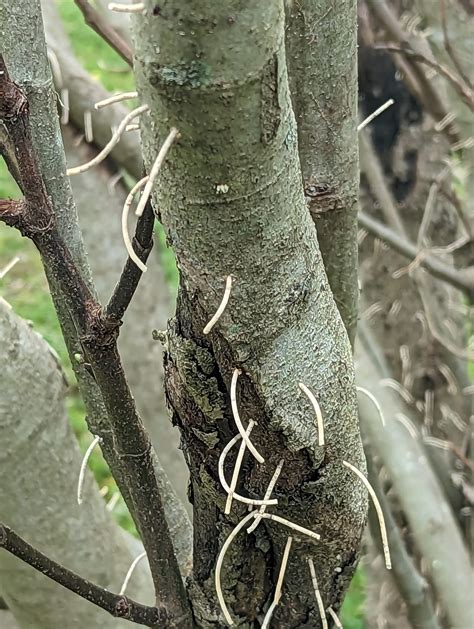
<point x="461" y="279"/>
<point x="464" y="92"/>
<point x="117" y="605"/>
<point x="131" y="274"/>
<point x="98" y="338"/>
<point x="97" y="22"/>
<point x="412" y="587"/>
<point x="421" y="87"/>
<point x="447" y="44"/>
<point x="327" y="136"/>
<point x="432" y="523"/>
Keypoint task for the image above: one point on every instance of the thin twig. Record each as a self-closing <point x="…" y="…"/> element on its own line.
<point x="374" y="114"/>
<point x="155" y="169"/>
<point x="130" y="571"/>
<point x="449" y="49"/>
<point x="82" y="471"/>
<point x="317" y="410"/>
<point x="110" y="144"/>
<point x="378" y="508"/>
<point x="461" y="279"/>
<point x="374" y="401"/>
<point x="117" y="605"/>
<point x="100" y="25"/>
<point x="267" y="496"/>
<point x="131" y="274"/>
<point x="126" y="237"/>
<point x="281" y="576"/>
<point x="463" y="90"/>
<point x="116" y="98"/>
<point x="238" y="422"/>
<point x="317" y="594"/>
<point x="267" y="501"/>
<point x="222" y="306"/>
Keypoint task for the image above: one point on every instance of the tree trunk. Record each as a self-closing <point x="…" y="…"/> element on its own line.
<point x="322" y="60"/>
<point x="39" y="468"/>
<point x="231" y="199"/>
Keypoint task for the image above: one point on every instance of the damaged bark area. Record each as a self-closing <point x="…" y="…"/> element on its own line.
<point x="231" y="198"/>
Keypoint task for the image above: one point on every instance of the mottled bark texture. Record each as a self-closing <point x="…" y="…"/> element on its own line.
<point x="231" y="199"/>
<point x="322" y="60"/>
<point x="39" y="467"/>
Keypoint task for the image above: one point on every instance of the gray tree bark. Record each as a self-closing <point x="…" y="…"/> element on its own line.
<point x="322" y="60"/>
<point x="281" y="327"/>
<point x="39" y="467"/>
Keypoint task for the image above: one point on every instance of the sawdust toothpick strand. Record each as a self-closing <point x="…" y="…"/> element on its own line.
<point x="110" y="145"/>
<point x="222" y="306"/>
<point x="82" y="471"/>
<point x="116" y="98"/>
<point x="88" y="131"/>
<point x="8" y="267"/>
<point x="374" y="114"/>
<point x="289" y="524"/>
<point x="335" y="617"/>
<point x="317" y="410"/>
<point x="155" y="169"/>
<point x="267" y="496"/>
<point x="220" y="560"/>
<point x="138" y="7"/>
<point x="317" y="594"/>
<point x="131" y="570"/>
<point x="64" y="106"/>
<point x="378" y="509"/>
<point x="281" y="576"/>
<point x="126" y="236"/>
<point x="235" y="473"/>
<point x="374" y="401"/>
<point x="250" y="501"/>
<point x="238" y="422"/>
<point x="408" y="424"/>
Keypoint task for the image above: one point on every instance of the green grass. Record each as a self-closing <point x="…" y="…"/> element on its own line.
<point x="25" y="287"/>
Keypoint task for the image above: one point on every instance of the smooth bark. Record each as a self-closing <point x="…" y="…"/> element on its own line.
<point x="322" y="62"/>
<point x="39" y="467"/>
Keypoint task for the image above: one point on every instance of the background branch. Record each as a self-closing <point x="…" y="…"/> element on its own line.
<point x="100" y="25"/>
<point x="461" y="279"/>
<point x="117" y="605"/>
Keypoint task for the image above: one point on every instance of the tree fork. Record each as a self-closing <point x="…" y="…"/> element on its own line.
<point x="133" y="457"/>
<point x="231" y="200"/>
